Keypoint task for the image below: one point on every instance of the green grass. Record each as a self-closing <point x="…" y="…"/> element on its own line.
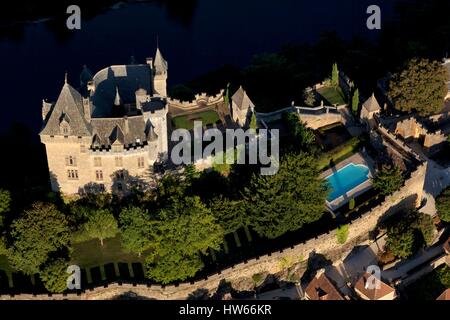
<point x="187" y="121"/>
<point x="91" y="254"/>
<point x="333" y="95"/>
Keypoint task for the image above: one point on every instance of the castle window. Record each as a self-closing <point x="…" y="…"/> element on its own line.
<point x="97" y="162"/>
<point x="71" y="161"/>
<point x="72" y="174"/>
<point x="99" y="175"/>
<point x="119" y="162"/>
<point x="141" y="162"/>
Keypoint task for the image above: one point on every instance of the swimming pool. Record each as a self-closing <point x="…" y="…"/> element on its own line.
<point x="346" y="179"/>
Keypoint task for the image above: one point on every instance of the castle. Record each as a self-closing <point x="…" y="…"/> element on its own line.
<point x="109" y="134"/>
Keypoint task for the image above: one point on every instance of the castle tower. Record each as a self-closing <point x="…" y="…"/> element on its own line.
<point x="160" y="74"/>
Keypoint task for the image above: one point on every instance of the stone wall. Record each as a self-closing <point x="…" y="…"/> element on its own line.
<point x="325" y="116"/>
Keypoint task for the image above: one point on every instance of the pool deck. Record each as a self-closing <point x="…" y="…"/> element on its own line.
<point x="358" y="158"/>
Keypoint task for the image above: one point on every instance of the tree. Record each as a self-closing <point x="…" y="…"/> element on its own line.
<point x="342" y="233"/>
<point x="409" y="231"/>
<point x="5" y="203"/>
<point x="39" y="232"/>
<point x="401" y="241"/>
<point x="301" y="138"/>
<point x="309" y="98"/>
<point x="54" y="275"/>
<point x="101" y="225"/>
<point x="388" y="180"/>
<point x="134" y="225"/>
<point x="276" y="204"/>
<point x="335" y="76"/>
<point x="443" y="205"/>
<point x="178" y="236"/>
<point x="421" y="86"/>
<point x="229" y="213"/>
<point x="253" y="122"/>
<point x="355" y="102"/>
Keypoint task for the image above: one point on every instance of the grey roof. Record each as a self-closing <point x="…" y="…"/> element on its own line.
<point x="125" y="130"/>
<point x="69" y="108"/>
<point x="161" y="65"/>
<point x="127" y="78"/>
<point x="150" y="132"/>
<point x="241" y="99"/>
<point x="372" y="104"/>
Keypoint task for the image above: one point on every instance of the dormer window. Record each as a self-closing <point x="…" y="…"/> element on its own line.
<point x="64" y="125"/>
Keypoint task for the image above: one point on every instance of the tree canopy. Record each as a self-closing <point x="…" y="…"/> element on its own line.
<point x="5" y="203"/>
<point x="300" y="137"/>
<point x="388" y="180"/>
<point x="355" y="102"/>
<point x="443" y="205"/>
<point x="135" y="229"/>
<point x="41" y="231"/>
<point x="284" y="202"/>
<point x="101" y="225"/>
<point x="421" y="86"/>
<point x="54" y="275"/>
<point x="408" y="232"/>
<point x="335" y="75"/>
<point x="180" y="233"/>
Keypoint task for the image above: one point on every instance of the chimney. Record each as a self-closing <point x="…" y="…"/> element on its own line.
<point x="150" y="62"/>
<point x="87" y="109"/>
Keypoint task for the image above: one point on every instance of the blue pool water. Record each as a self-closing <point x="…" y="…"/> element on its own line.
<point x="346" y="179"/>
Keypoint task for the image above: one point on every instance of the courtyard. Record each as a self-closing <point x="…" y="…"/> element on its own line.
<point x="209" y="117"/>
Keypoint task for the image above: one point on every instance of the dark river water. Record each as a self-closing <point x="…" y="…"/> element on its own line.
<point x="194" y="41"/>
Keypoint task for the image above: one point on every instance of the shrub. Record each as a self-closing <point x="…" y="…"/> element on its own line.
<point x="342" y="234"/>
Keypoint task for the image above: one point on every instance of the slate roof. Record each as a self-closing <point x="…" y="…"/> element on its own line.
<point x="241" y="99"/>
<point x="376" y="293"/>
<point x="124" y="130"/>
<point x="161" y="65"/>
<point x="321" y="288"/>
<point x="127" y="79"/>
<point x="372" y="104"/>
<point x="69" y="108"/>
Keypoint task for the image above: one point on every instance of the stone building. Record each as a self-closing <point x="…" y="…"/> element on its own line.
<point x="108" y="135"/>
<point x="369" y="110"/>
<point x="241" y="107"/>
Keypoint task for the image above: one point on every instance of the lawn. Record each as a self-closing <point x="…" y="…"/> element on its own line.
<point x="90" y="253"/>
<point x="187" y="121"/>
<point x="332" y="95"/>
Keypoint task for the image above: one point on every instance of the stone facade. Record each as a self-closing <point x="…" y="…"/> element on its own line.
<point x="412" y="128"/>
<point x="109" y="136"/>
